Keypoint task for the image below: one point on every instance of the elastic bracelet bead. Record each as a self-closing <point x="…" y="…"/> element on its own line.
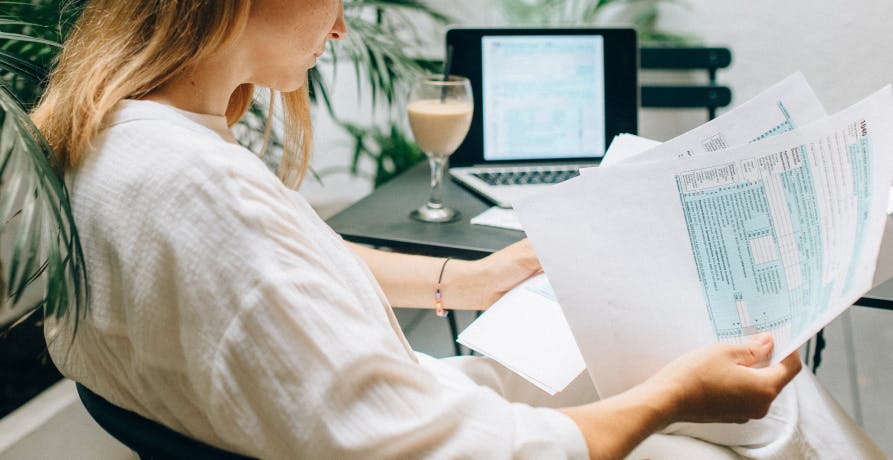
<point x="438" y="292"/>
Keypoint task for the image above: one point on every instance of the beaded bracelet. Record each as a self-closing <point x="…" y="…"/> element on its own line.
<point x="438" y="294"/>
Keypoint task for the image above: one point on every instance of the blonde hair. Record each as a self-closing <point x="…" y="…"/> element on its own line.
<point x="126" y="49"/>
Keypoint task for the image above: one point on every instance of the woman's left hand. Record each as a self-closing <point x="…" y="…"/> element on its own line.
<point x="475" y="285"/>
<point x="410" y="280"/>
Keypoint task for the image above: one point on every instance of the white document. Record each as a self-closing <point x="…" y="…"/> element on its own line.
<point x="781" y="107"/>
<point x="498" y="217"/>
<point x="624" y="147"/>
<point x="890" y="202"/>
<point x="779" y="235"/>
<point x="526" y="332"/>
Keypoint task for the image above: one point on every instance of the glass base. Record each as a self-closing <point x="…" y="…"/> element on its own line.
<point x="437" y="215"/>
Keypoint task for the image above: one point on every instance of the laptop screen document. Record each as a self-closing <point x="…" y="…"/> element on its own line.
<point x="543" y="97"/>
<point x="547" y="101"/>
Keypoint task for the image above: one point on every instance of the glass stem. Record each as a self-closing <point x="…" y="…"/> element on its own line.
<point x="438" y="164"/>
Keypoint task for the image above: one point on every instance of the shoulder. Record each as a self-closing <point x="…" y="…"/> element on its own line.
<point x="149" y="151"/>
<point x="154" y="170"/>
<point x="151" y="139"/>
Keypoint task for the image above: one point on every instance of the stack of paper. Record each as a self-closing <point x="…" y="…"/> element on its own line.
<point x="497" y="217"/>
<point x="526" y="332"/>
<point x="768" y="218"/>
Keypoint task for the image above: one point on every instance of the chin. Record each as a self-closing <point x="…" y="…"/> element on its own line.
<point x="291" y="84"/>
<point x="291" y="87"/>
<point x="286" y="82"/>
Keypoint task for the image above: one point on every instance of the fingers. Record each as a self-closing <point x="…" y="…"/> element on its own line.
<point x="782" y="373"/>
<point x="757" y="350"/>
<point x="721" y="384"/>
<point x="760" y="349"/>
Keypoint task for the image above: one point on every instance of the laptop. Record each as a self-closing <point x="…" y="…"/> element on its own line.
<point x="546" y="103"/>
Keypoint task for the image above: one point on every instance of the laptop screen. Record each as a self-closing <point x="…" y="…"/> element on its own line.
<point x="543" y="97"/>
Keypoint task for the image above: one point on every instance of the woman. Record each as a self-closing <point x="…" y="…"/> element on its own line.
<point x="225" y="309"/>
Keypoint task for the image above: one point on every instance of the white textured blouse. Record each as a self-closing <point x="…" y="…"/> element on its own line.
<point x="223" y="307"/>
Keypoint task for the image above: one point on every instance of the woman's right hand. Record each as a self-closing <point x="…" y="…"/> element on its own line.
<point x="725" y="383"/>
<point x="721" y="383"/>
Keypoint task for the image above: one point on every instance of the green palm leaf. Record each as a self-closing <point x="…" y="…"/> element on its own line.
<point x="381" y="46"/>
<point x="382" y="36"/>
<point x="41" y="261"/>
<point x="641" y="14"/>
<point x="34" y="73"/>
<point x="27" y="38"/>
<point x="30" y="36"/>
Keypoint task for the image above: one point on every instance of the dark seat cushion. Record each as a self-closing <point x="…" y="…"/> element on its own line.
<point x="149" y="439"/>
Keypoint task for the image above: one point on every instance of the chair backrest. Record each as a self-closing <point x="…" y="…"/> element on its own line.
<point x="150" y="440"/>
<point x="710" y="96"/>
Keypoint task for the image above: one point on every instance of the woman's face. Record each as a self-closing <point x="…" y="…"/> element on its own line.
<point x="284" y="38"/>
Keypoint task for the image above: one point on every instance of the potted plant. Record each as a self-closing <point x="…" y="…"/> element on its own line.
<point x="41" y="263"/>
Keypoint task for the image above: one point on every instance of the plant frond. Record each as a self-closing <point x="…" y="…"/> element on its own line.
<point x="5" y="21"/>
<point x="389" y="149"/>
<point x="32" y="72"/>
<point x="643" y="14"/>
<point x="28" y="39"/>
<point x="41" y="260"/>
<point x="378" y="47"/>
<point x="410" y="5"/>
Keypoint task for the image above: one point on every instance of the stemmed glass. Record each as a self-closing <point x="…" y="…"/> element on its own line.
<point x="440" y="111"/>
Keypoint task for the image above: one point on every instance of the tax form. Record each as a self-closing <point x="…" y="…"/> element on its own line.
<point x="520" y="327"/>
<point x="672" y="252"/>
<point x="780" y="108"/>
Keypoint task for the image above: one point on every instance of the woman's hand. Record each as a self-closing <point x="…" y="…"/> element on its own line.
<point x="410" y="280"/>
<point x="716" y="384"/>
<point x="724" y="383"/>
<point x="475" y="285"/>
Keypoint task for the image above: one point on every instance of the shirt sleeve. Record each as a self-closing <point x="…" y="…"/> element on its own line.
<point x="320" y="385"/>
<point x="309" y="366"/>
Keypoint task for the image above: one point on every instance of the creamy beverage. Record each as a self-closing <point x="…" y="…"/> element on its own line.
<point x="440" y="112"/>
<point x="439" y="127"/>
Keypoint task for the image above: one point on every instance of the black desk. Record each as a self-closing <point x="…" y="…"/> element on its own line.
<point x="382" y="219"/>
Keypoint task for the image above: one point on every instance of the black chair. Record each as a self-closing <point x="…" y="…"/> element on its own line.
<point x="710" y="96"/>
<point x="150" y="440"/>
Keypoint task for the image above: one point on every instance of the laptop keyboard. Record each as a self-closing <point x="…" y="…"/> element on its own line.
<point x="526" y="177"/>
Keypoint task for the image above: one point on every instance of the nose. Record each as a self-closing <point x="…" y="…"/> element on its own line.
<point x="339" y="28"/>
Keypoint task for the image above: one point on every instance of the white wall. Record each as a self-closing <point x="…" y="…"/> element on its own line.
<point x="841" y="47"/>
